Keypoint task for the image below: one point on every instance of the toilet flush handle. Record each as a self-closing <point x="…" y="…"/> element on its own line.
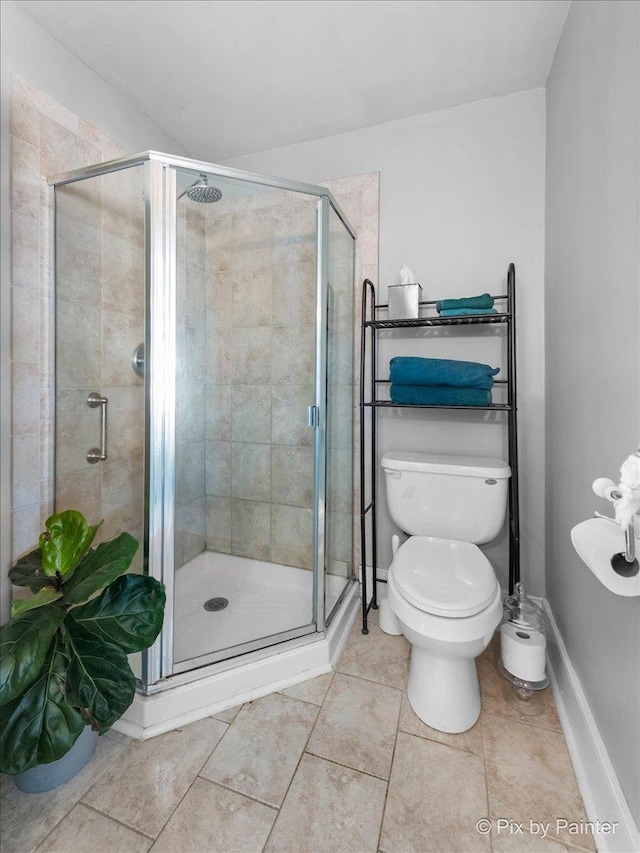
<point x="395" y="474"/>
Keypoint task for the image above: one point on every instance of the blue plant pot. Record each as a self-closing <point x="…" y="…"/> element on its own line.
<point x="45" y="777"/>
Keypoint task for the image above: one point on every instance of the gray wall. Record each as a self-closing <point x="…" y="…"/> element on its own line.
<point x="593" y="370"/>
<point x="35" y="56"/>
<point x="461" y="195"/>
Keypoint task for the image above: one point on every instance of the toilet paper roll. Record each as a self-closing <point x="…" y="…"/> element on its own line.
<point x="523" y="652"/>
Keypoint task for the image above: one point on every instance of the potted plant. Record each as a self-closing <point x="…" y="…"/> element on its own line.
<point x="63" y="653"/>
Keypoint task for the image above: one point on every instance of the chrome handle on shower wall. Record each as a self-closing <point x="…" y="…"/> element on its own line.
<point x="97" y="454"/>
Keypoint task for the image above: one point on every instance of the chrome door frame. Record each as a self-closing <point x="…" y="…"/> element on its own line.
<point x="319" y="443"/>
<point x="160" y="336"/>
<point x="316" y="626"/>
<point x="197" y="166"/>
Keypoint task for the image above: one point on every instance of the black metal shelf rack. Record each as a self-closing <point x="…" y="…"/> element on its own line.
<point x="370" y="326"/>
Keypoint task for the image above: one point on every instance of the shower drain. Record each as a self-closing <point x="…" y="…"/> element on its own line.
<point x="216" y="604"/>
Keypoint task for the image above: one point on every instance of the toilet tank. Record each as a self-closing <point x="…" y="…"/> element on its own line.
<point x="449" y="497"/>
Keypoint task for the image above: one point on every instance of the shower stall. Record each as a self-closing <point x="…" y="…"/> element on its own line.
<point x="204" y="379"/>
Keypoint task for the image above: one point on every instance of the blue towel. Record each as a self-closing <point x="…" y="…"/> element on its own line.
<point x="469" y="312"/>
<point x="485" y="300"/>
<point x="409" y="370"/>
<point x="442" y="395"/>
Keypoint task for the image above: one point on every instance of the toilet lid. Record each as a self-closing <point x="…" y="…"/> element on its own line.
<point x="443" y="576"/>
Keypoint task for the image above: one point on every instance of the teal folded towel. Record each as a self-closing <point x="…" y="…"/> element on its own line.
<point x="485" y="300"/>
<point x="469" y="312"/>
<point x="410" y="370"/>
<point x="442" y="395"/>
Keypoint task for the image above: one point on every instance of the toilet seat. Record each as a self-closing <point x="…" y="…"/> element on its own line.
<point x="443" y="576"/>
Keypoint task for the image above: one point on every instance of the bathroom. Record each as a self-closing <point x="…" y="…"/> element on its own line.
<point x="514" y="164"/>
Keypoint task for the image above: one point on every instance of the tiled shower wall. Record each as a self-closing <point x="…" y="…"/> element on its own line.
<point x="190" y="381"/>
<point x="100" y="321"/>
<point x="103" y="246"/>
<point x="260" y="310"/>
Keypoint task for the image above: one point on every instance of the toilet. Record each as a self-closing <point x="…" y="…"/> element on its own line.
<point x="443" y="594"/>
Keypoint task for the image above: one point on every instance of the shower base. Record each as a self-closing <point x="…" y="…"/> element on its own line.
<point x="263" y="599"/>
<point x="260" y="609"/>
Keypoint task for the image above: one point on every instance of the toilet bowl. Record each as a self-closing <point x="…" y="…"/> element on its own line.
<point x="449" y="620"/>
<point x="443" y="594"/>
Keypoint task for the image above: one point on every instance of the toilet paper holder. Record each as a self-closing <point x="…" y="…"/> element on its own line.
<point x="623" y="563"/>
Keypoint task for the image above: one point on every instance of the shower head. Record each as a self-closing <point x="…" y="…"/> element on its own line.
<point x="202" y="192"/>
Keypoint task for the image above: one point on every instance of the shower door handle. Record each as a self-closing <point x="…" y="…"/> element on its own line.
<point x="97" y="454"/>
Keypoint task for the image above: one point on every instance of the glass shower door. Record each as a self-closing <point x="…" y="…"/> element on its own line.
<point x="339" y="420"/>
<point x="245" y="378"/>
<point x="99" y="316"/>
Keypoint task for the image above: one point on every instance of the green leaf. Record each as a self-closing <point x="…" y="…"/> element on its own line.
<point x="99" y="679"/>
<point x="66" y="540"/>
<point x="24" y="644"/>
<point x="99" y="568"/>
<point x="129" y="613"/>
<point x="41" y="726"/>
<point x="28" y="572"/>
<point x="46" y="595"/>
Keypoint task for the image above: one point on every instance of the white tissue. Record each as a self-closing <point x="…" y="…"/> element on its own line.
<point x="406" y="275"/>
<point x="629" y="504"/>
<point x="630" y="471"/>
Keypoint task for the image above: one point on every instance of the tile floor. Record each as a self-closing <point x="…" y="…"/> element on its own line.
<point x="338" y="763"/>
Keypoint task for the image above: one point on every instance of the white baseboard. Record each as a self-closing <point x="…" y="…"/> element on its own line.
<point x="603" y="797"/>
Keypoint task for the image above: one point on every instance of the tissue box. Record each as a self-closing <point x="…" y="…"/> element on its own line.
<point x="404" y="301"/>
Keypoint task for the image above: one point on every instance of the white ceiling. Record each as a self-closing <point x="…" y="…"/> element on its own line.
<point x="233" y="77"/>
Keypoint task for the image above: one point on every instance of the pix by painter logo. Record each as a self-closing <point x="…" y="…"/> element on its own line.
<point x="508" y="826"/>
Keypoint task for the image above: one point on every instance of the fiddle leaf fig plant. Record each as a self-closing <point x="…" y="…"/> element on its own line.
<point x="63" y="653"/>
